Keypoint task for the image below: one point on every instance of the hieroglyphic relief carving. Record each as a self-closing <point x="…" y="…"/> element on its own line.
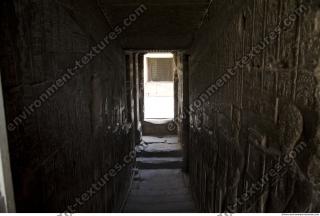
<point x="256" y="162"/>
<point x="284" y="79"/>
<point x="314" y="172"/>
<point x="261" y="105"/>
<point x="272" y="20"/>
<point x="247" y="27"/>
<point x="259" y="85"/>
<point x="256" y="138"/>
<point x="269" y="83"/>
<point x="252" y="80"/>
<point x="236" y="125"/>
<point x="224" y="130"/>
<point x="290" y="127"/>
<point x="305" y="90"/>
<point x="198" y="119"/>
<point x="310" y="47"/>
<point x="289" y="42"/>
<point x="259" y="30"/>
<point x="284" y="84"/>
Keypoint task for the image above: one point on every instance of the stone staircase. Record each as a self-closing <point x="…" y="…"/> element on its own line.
<point x="159" y="153"/>
<point x="159" y="185"/>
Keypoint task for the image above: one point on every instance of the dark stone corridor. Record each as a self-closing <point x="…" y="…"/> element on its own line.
<point x="74" y="81"/>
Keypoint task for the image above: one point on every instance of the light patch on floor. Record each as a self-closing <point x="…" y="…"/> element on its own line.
<point x="159" y="107"/>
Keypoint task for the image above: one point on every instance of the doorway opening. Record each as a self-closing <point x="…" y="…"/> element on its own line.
<point x="159" y="86"/>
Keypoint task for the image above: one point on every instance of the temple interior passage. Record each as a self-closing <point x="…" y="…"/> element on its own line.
<point x="160" y="106"/>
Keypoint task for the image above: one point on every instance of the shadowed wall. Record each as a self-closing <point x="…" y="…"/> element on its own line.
<point x="257" y="109"/>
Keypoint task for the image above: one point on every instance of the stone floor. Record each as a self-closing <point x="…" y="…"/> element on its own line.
<point x="159" y="185"/>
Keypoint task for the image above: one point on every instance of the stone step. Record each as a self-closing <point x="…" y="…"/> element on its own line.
<point x="159" y="162"/>
<point x="161" y="150"/>
<point x="169" y="139"/>
<point x="152" y="128"/>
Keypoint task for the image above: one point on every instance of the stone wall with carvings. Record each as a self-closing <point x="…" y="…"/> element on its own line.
<point x="82" y="131"/>
<point x="240" y="137"/>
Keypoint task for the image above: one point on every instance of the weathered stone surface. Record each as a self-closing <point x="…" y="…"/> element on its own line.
<point x="81" y="132"/>
<point x="166" y="24"/>
<point x="234" y="140"/>
<point x="274" y="108"/>
<point x="290" y="128"/>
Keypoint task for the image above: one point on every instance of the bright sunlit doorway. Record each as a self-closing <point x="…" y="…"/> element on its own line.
<point x="159" y="86"/>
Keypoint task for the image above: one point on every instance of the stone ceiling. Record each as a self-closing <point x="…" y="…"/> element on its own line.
<point x="167" y="24"/>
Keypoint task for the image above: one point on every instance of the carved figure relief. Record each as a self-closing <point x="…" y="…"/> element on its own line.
<point x="290" y="127"/>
